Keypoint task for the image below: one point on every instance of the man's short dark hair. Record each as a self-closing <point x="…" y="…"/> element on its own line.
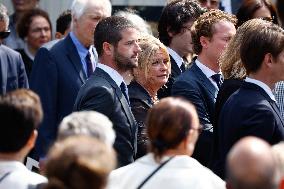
<point x="265" y="38"/>
<point x="21" y="113"/>
<point x="63" y="21"/>
<point x="175" y="15"/>
<point x="109" y="30"/>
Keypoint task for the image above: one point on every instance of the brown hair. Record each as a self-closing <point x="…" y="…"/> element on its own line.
<point x="204" y="26"/>
<point x="25" y="21"/>
<point x="168" y="123"/>
<point x="79" y="162"/>
<point x="265" y="38"/>
<point x="21" y="113"/>
<point x="230" y="61"/>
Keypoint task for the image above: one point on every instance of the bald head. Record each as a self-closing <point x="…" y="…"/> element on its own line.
<point x="250" y="164"/>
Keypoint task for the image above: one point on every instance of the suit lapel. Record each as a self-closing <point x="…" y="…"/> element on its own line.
<point x="204" y="80"/>
<point x="74" y="58"/>
<point x="174" y="67"/>
<point x="121" y="98"/>
<point x="267" y="97"/>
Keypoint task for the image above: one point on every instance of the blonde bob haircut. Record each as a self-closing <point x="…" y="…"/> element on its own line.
<point x="149" y="46"/>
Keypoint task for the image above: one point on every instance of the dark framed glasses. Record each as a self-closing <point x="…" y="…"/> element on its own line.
<point x="4" y="34"/>
<point x="269" y="19"/>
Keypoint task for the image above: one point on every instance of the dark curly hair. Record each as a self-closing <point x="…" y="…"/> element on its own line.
<point x="175" y="15"/>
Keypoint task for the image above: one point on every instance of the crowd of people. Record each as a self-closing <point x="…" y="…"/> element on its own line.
<point x="108" y="105"/>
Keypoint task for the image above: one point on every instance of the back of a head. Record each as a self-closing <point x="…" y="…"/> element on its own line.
<point x="140" y="23"/>
<point x="79" y="162"/>
<point x="63" y="22"/>
<point x="109" y="30"/>
<point x="175" y="15"/>
<point x="168" y="123"/>
<point x="230" y="60"/>
<point x="21" y="113"/>
<point x="204" y="26"/>
<point x="264" y="38"/>
<point x="250" y="164"/>
<point x="89" y="123"/>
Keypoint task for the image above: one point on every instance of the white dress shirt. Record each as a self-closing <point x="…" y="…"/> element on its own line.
<point x="177" y="58"/>
<point x="263" y="86"/>
<point x="208" y="72"/>
<point x="19" y="176"/>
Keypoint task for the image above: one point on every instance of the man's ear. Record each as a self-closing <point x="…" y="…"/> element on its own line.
<point x="58" y="35"/>
<point x="32" y="139"/>
<point x="268" y="59"/>
<point x="108" y="48"/>
<point x="204" y="41"/>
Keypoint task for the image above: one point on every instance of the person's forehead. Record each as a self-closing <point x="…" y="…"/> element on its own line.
<point x="130" y="33"/>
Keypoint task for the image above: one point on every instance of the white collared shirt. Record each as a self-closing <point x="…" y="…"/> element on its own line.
<point x="263" y="86"/>
<point x="177" y="58"/>
<point x="118" y="79"/>
<point x="208" y="72"/>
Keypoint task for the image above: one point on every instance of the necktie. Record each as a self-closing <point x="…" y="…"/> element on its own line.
<point x="218" y="78"/>
<point x="123" y="89"/>
<point x="182" y="67"/>
<point x="89" y="63"/>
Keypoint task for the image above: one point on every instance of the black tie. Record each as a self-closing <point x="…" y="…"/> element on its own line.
<point x="124" y="91"/>
<point x="218" y="78"/>
<point x="90" y="69"/>
<point x="182" y="67"/>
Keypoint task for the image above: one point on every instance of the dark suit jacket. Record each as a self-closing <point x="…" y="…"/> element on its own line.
<point x="101" y="93"/>
<point x="194" y="86"/>
<point x="165" y="91"/>
<point x="57" y="76"/>
<point x="140" y="102"/>
<point x="228" y="87"/>
<point x="12" y="70"/>
<point x="249" y="111"/>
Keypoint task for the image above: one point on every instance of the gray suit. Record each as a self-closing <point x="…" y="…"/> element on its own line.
<point x="101" y="93"/>
<point x="12" y="70"/>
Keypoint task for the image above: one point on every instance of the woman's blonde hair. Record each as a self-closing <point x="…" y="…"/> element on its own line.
<point x="230" y="61"/>
<point x="149" y="46"/>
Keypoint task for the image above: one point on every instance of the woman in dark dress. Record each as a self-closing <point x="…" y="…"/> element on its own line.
<point x="35" y="29"/>
<point x="151" y="74"/>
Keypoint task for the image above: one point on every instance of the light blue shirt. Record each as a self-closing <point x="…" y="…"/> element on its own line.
<point x="83" y="51"/>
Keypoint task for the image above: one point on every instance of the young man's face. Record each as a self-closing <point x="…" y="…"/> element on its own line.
<point x="126" y="51"/>
<point x="181" y="43"/>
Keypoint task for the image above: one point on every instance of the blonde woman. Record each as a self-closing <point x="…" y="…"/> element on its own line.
<point x="151" y="74"/>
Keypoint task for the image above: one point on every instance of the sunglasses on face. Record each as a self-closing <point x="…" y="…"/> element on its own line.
<point x="4" y="34"/>
<point x="269" y="19"/>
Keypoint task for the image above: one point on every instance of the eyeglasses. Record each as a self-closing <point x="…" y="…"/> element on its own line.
<point x="4" y="34"/>
<point x="199" y="129"/>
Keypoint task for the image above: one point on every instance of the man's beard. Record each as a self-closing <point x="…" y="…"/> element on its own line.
<point x="124" y="63"/>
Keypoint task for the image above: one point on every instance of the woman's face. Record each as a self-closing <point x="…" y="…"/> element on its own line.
<point x="158" y="72"/>
<point x="39" y="32"/>
<point x="263" y="13"/>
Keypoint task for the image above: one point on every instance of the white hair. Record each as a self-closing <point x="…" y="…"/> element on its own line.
<point x="79" y="6"/>
<point x="4" y="15"/>
<point x="88" y="123"/>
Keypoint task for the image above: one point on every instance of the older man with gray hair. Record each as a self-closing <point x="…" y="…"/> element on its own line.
<point x="12" y="72"/>
<point x="59" y="72"/>
<point x="90" y="123"/>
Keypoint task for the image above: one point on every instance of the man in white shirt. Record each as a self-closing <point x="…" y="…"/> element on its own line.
<point x="21" y="113"/>
<point x="252" y="110"/>
<point x="200" y="84"/>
